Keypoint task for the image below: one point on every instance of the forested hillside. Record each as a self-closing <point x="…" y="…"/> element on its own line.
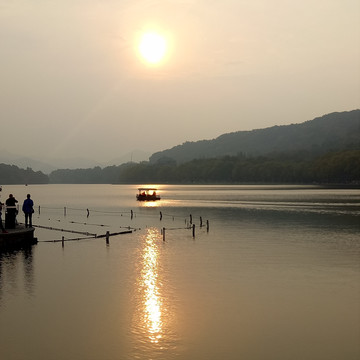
<point x="332" y="132"/>
<point x="11" y="174"/>
<point x="325" y="150"/>
<point x="295" y="168"/>
<point x="332" y="168"/>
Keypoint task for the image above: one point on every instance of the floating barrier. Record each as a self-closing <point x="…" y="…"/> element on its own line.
<point x="107" y="236"/>
<point x="188" y="222"/>
<point x="130" y="213"/>
<point x="113" y="234"/>
<point x="64" y="230"/>
<point x="72" y="239"/>
<point x="189" y="227"/>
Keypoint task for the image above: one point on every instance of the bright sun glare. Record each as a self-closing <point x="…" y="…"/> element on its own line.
<point x="152" y="47"/>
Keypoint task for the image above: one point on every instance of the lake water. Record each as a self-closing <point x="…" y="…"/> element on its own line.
<point x="276" y="275"/>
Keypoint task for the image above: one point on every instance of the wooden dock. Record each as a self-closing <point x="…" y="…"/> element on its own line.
<point x="17" y="238"/>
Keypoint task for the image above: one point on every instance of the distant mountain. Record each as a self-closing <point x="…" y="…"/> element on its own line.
<point x="133" y="156"/>
<point x="48" y="165"/>
<point x="45" y="165"/>
<point x="331" y="132"/>
<point x="71" y="163"/>
<point x="25" y="162"/>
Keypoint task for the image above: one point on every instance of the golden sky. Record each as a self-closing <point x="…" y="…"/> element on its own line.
<point x="74" y="84"/>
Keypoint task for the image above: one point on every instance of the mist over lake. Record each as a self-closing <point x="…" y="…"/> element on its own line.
<point x="275" y="275"/>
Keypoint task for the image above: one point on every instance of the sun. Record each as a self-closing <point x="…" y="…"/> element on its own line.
<point x="152" y="47"/>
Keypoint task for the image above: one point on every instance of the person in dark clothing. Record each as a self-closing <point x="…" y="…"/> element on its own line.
<point x="1" y="224"/>
<point x="11" y="212"/>
<point x="28" y="209"/>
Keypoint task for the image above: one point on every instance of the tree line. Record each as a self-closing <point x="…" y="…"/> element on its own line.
<point x="300" y="167"/>
<point x="341" y="167"/>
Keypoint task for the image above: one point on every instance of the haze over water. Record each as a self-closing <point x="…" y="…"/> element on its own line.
<point x="277" y="275"/>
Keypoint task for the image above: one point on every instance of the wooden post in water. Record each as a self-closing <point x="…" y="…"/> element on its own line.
<point x="200" y="221"/>
<point x="88" y="212"/>
<point x="207" y="225"/>
<point x="39" y="209"/>
<point x="193" y="230"/>
<point x="190" y="219"/>
<point x="160" y="215"/>
<point x="132" y="214"/>
<point x="62" y="241"/>
<point x="107" y="237"/>
<point x="163" y="234"/>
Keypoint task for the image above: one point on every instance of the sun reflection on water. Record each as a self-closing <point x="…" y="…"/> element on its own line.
<point x="149" y="282"/>
<point x="154" y="319"/>
<point x="150" y="204"/>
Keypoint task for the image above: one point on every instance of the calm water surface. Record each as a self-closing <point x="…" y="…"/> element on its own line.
<point x="277" y="276"/>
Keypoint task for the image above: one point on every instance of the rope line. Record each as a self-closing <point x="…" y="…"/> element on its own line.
<point x="180" y="228"/>
<point x="82" y="223"/>
<point x="89" y="237"/>
<point x="117" y="233"/>
<point x="189" y="220"/>
<point x="72" y="239"/>
<point x="64" y="230"/>
<point x="114" y="212"/>
<point x="78" y="209"/>
<point x="110" y="212"/>
<point x="78" y="222"/>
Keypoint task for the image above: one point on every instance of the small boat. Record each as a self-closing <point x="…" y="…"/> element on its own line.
<point x="147" y="194"/>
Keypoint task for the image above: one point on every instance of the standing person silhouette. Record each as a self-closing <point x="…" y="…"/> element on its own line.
<point x="10" y="212"/>
<point x="1" y="224"/>
<point x="28" y="209"/>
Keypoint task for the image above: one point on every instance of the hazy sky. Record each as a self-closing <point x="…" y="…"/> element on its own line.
<point x="72" y="83"/>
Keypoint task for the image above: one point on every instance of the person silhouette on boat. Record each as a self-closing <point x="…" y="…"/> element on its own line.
<point x="28" y="209"/>
<point x="11" y="212"/>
